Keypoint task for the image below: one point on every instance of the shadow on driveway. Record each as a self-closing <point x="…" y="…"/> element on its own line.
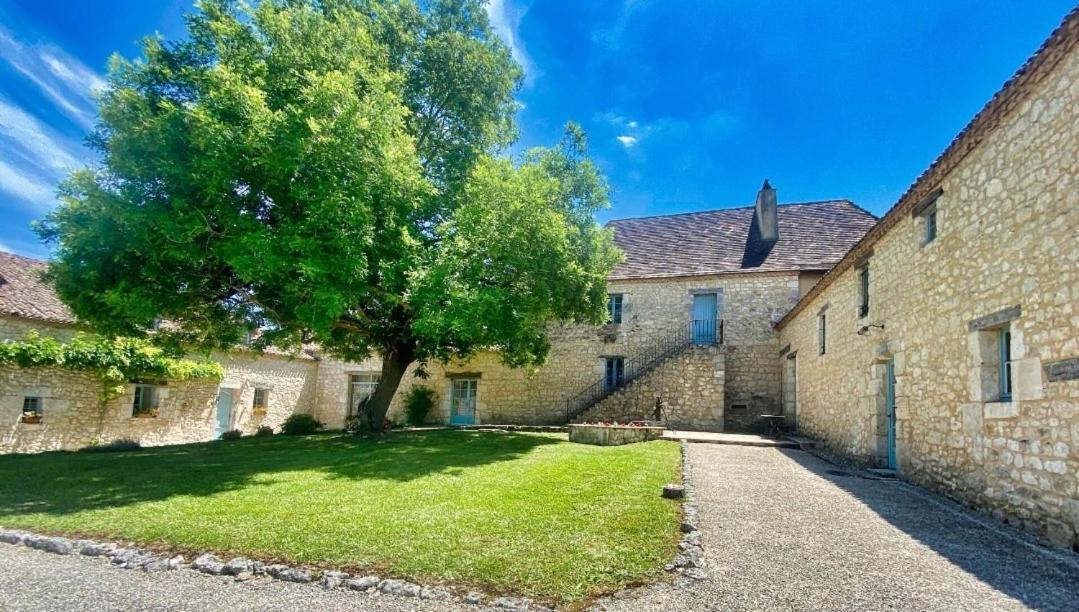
<point x="1010" y="562"/>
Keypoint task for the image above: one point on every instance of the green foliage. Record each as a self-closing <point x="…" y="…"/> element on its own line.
<point x="115" y="361"/>
<point x="114" y="446"/>
<point x="330" y="171"/>
<point x="232" y="434"/>
<point x="418" y="404"/>
<point x="264" y="431"/>
<point x="300" y="424"/>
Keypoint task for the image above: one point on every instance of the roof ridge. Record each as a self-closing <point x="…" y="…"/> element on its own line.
<point x="743" y="207"/>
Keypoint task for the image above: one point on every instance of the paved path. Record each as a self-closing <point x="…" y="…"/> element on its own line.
<point x="781" y="533"/>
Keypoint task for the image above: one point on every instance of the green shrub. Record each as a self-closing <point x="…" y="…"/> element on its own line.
<point x="300" y="424"/>
<point x="418" y="404"/>
<point x="264" y="431"/>
<point x="117" y="445"/>
<point x="232" y="434"/>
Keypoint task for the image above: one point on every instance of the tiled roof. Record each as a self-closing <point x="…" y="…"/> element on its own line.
<point x="812" y="236"/>
<point x="1063" y="41"/>
<point x="24" y="294"/>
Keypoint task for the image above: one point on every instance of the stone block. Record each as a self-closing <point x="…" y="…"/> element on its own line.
<point x="1000" y="410"/>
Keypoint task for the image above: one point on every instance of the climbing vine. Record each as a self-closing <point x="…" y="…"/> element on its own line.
<point x="116" y="361"/>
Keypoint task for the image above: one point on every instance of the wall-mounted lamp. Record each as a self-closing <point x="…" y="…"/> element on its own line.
<point x="864" y="330"/>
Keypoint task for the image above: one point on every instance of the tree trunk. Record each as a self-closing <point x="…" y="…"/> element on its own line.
<point x="394" y="363"/>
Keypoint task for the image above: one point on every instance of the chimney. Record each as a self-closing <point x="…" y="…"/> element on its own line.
<point x="765" y="212"/>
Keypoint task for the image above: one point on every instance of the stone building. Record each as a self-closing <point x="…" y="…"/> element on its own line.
<point x="940" y="340"/>
<point x="692" y="307"/>
<point x="70" y="412"/>
<point x="945" y="344"/>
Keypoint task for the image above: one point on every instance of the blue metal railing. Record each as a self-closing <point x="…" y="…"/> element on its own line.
<point x="699" y="332"/>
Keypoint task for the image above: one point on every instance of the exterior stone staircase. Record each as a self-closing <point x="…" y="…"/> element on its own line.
<point x="688" y="361"/>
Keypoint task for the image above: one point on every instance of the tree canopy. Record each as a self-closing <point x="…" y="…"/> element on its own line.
<point x="330" y="172"/>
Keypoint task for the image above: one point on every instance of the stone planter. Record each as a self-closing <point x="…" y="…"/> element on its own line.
<point x="613" y="435"/>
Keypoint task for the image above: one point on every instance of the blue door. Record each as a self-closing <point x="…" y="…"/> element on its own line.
<point x="463" y="401"/>
<point x="890" y="407"/>
<point x="224" y="412"/>
<point x="704" y="318"/>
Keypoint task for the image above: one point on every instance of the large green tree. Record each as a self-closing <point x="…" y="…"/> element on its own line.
<point x="330" y="172"/>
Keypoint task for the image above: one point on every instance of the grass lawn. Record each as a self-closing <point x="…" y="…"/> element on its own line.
<point x="526" y="513"/>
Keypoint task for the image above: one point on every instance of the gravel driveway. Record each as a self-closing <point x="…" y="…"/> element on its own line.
<point x="32" y="580"/>
<point x="781" y="533"/>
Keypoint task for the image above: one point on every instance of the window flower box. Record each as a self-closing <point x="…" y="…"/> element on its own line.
<point x="31" y="418"/>
<point x="146" y="414"/>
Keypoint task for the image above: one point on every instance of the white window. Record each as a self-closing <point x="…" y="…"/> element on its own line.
<point x="146" y="400"/>
<point x="361" y="388"/>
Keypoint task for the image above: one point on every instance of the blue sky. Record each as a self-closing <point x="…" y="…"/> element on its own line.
<point x="688" y="104"/>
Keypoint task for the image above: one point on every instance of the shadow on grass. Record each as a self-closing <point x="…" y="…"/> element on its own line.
<point x="1024" y="573"/>
<point x="65" y="482"/>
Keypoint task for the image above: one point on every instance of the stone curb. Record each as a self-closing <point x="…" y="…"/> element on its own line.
<point x="242" y="569"/>
<point x="688" y="562"/>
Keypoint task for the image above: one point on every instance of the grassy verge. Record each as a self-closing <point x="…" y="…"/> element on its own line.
<point x="526" y="513"/>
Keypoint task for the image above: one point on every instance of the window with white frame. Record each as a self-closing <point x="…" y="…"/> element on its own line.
<point x="361" y="388"/>
<point x="145" y="402"/>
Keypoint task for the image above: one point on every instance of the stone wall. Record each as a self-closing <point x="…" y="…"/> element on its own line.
<point x="652" y="309"/>
<point x="1007" y="237"/>
<point x="75" y="413"/>
<point x="15" y="328"/>
<point x="689" y="383"/>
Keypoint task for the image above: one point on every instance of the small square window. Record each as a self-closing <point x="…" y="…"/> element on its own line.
<point x="31" y="410"/>
<point x="145" y="401"/>
<point x="614" y="308"/>
<point x="261" y="399"/>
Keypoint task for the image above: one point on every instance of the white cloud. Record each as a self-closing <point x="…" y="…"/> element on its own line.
<point x="69" y="84"/>
<point x="27" y="136"/>
<point x="28" y="188"/>
<point x="632" y="125"/>
<point x="77" y="77"/>
<point x="505" y="17"/>
<point x="627" y="141"/>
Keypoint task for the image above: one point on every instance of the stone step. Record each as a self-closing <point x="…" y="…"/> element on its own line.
<point x="709" y="437"/>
